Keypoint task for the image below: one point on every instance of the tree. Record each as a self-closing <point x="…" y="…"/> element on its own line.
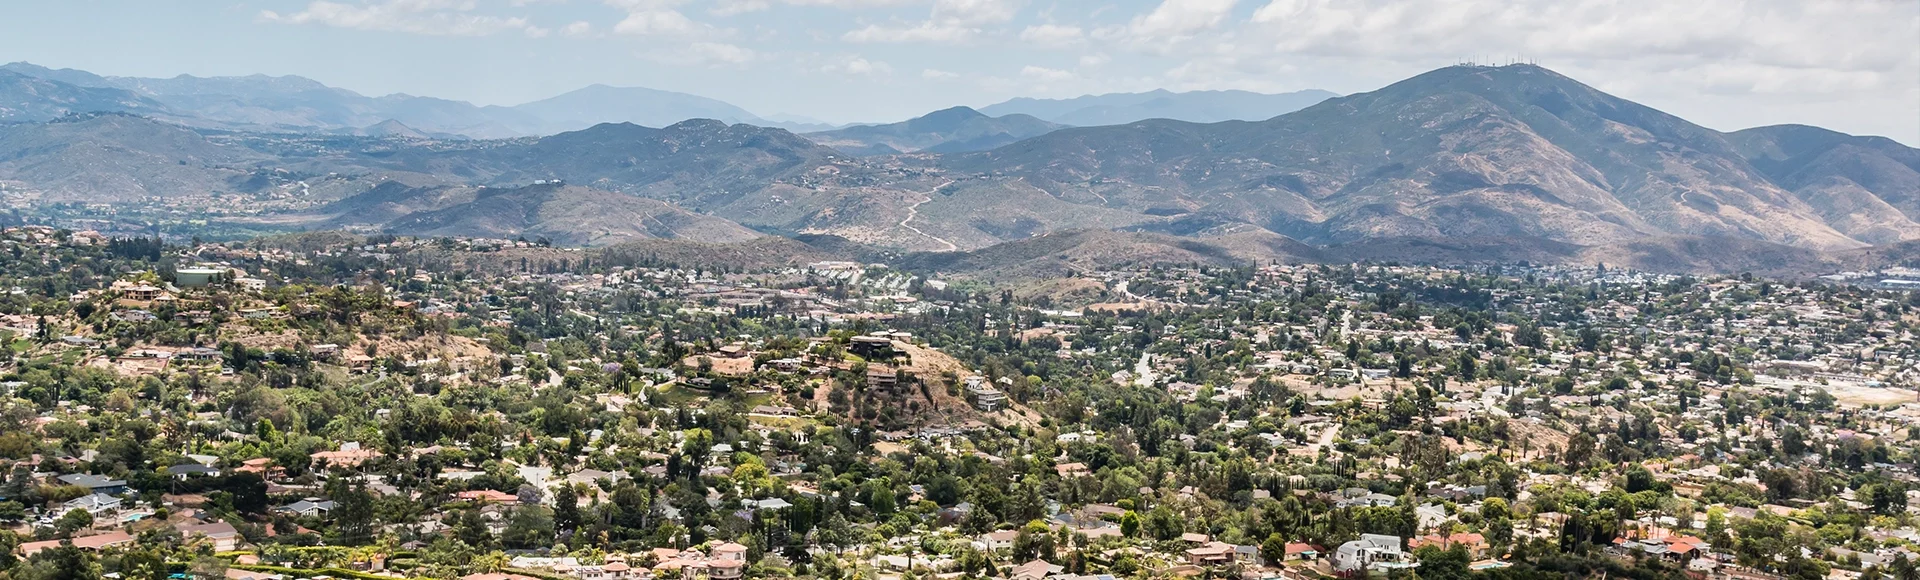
<point x="1035" y="540"/>
<point x="11" y="512"/>
<point x="566" y="508"/>
<point x="1887" y="498"/>
<point x="880" y="497"/>
<point x="352" y="514"/>
<point x="63" y="562"/>
<point x="8" y="543"/>
<point x="1448" y="564"/>
<point x="530" y="526"/>
<point x="208" y="567"/>
<point x="1274" y="549"/>
<point x="1639" y="479"/>
<point x="1495" y="509"/>
<point x="1162" y="524"/>
<point x="73" y="521"/>
<point x="1130" y="524"/>
<point x="1579" y="449"/>
<point x="248" y="492"/>
<point x="944" y="489"/>
<point x="471" y="529"/>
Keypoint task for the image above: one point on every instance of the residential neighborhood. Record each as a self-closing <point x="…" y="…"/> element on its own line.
<point x="491" y="410"/>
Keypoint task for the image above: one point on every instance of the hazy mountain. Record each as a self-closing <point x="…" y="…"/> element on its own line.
<point x="767" y="178"/>
<point x="29" y="98"/>
<point x="646" y="107"/>
<point x="73" y="77"/>
<point x="564" y="214"/>
<point x="111" y="157"/>
<point x="392" y="128"/>
<point x="1866" y="186"/>
<point x="703" y="161"/>
<point x="954" y="130"/>
<point x="292" y="103"/>
<point x="1514" y="151"/>
<point x="1461" y="162"/>
<point x="797" y="123"/>
<point x="1196" y="107"/>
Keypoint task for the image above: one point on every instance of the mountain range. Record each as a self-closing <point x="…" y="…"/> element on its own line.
<point x="301" y="105"/>
<point x="955" y="130"/>
<point x="1515" y="151"/>
<point x="293" y="104"/>
<point x="1461" y="163"/>
<point x="1194" y="107"/>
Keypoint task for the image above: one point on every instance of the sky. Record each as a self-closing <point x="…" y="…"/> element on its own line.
<point x="1849" y="65"/>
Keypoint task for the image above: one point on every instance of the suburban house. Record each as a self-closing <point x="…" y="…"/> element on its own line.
<point x="488" y="496"/>
<point x="306" y="507"/>
<point x="182" y="472"/>
<point x="221" y="535"/>
<point x="1475" y="544"/>
<point x="97" y="503"/>
<point x="95" y="483"/>
<point x="1211" y="554"/>
<point x="93" y="542"/>
<point x="1370" y="552"/>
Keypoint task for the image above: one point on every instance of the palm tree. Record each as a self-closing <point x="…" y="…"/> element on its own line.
<point x="493" y="561"/>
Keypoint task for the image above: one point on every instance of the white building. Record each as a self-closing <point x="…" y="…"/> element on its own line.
<point x="1370" y="552"/>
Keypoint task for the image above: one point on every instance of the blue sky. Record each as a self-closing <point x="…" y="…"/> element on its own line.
<point x="1852" y="65"/>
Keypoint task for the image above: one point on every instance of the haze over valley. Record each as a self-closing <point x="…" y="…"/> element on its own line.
<point x="1503" y="156"/>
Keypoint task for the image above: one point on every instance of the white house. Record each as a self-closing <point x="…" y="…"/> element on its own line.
<point x="1370" y="552"/>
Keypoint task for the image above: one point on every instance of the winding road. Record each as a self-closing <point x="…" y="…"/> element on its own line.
<point x="914" y="211"/>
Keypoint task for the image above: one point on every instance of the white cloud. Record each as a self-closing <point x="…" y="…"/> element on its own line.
<point x="930" y="32"/>
<point x="934" y="74"/>
<point x="976" y="11"/>
<point x="951" y="22"/>
<point x="858" y="66"/>
<point x="578" y="28"/>
<point x="654" y="18"/>
<point x="1053" y="35"/>
<point x="737" y="7"/>
<point x="656" y="22"/>
<point x="1740" y="45"/>
<point x="707" y="54"/>
<point x="660" y="18"/>
<point x="1095" y="59"/>
<point x="1787" y="33"/>
<point x="723" y="53"/>
<point x="1046" y="75"/>
<point x="428" y="17"/>
<point x="1176" y="20"/>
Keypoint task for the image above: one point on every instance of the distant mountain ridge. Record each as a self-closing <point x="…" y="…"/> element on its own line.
<point x="26" y="98"/>
<point x="598" y="104"/>
<point x="1193" y="107"/>
<point x="1459" y="163"/>
<point x="298" y="104"/>
<point x="1514" y="151"/>
<point x="954" y="130"/>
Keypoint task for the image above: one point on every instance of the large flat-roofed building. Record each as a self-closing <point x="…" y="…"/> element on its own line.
<point x="198" y="277"/>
